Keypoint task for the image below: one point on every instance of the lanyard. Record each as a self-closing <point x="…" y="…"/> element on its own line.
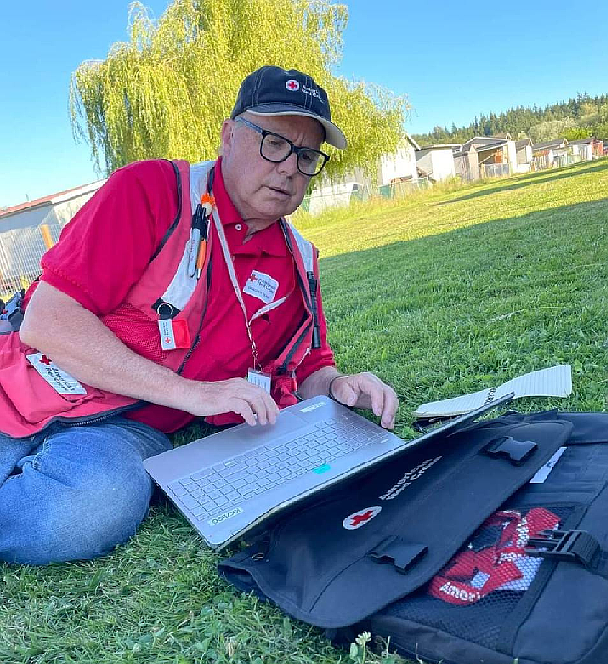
<point x="237" y="290"/>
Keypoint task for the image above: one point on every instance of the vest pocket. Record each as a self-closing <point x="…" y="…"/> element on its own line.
<point x="26" y="397"/>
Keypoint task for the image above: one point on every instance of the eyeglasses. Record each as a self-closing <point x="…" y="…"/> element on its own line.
<point x="277" y="148"/>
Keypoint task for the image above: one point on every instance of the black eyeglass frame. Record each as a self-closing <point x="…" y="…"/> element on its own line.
<point x="294" y="149"/>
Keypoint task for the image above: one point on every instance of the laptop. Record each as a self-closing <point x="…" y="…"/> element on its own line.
<point x="232" y="481"/>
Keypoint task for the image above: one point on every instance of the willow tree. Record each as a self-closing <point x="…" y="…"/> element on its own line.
<point x="166" y="92"/>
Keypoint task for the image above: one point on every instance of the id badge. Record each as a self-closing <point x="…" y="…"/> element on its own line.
<point x="173" y="334"/>
<point x="259" y="378"/>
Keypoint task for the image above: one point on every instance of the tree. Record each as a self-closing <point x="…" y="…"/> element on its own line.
<point x="551" y="129"/>
<point x="166" y="92"/>
<point x="575" y="133"/>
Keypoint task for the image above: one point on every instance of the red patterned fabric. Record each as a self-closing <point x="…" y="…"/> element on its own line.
<point x="475" y="573"/>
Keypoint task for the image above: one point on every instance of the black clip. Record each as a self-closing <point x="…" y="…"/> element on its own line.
<point x="577" y="546"/>
<point x="516" y="451"/>
<point x="401" y="553"/>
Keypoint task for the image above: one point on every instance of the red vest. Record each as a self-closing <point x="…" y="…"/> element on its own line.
<point x="28" y="403"/>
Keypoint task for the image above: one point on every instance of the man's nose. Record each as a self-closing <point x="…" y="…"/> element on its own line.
<point x="290" y="165"/>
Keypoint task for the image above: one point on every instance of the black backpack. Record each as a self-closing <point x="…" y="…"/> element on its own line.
<point x="451" y="552"/>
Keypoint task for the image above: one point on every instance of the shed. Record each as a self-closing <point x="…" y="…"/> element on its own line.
<point x="436" y="161"/>
<point x="550" y="153"/>
<point x="497" y="155"/>
<point x="27" y="229"/>
<point x="583" y="148"/>
<point x="523" y="153"/>
<point x="466" y="163"/>
<point x="401" y="165"/>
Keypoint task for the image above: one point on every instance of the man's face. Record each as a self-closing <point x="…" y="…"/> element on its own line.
<point x="261" y="189"/>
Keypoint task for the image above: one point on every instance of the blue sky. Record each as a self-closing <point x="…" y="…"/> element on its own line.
<point x="452" y="59"/>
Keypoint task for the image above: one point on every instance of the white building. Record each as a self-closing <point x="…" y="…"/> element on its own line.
<point x="583" y="148"/>
<point x="436" y="161"/>
<point x="400" y="166"/>
<point x="26" y="230"/>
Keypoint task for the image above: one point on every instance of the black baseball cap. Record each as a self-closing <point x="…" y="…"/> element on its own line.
<point x="275" y="91"/>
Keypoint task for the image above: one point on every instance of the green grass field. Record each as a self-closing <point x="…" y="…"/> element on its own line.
<point x="442" y="293"/>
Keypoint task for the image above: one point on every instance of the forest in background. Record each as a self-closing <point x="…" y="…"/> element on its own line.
<point x="579" y="117"/>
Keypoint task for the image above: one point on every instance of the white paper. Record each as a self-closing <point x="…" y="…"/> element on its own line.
<point x="552" y="382"/>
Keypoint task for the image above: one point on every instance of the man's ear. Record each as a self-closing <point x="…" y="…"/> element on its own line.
<point x="226" y="137"/>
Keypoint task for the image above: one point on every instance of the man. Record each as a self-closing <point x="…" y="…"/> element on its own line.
<point x="176" y="292"/>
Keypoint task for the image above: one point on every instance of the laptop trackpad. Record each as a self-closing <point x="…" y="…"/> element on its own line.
<point x="286" y="424"/>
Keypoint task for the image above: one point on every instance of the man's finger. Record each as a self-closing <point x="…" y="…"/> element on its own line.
<point x="391" y="403"/>
<point x="264" y="406"/>
<point x="243" y="409"/>
<point x="377" y="397"/>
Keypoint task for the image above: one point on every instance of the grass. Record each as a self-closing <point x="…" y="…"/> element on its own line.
<point x="442" y="293"/>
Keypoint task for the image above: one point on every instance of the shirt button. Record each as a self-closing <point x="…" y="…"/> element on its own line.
<point x="238" y="227"/>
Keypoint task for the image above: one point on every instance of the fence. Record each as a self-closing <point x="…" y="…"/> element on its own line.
<point x="495" y="170"/>
<point x="400" y="189"/>
<point x="20" y="252"/>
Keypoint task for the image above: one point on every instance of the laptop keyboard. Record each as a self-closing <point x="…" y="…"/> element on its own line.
<point x="213" y="490"/>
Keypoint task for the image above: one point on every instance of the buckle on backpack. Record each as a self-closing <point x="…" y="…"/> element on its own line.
<point x="516" y="451"/>
<point x="573" y="545"/>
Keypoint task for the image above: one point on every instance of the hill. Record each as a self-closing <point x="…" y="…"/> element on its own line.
<point x="579" y="117"/>
<point x="444" y="292"/>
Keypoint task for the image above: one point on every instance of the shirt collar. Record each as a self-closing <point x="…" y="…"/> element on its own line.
<point x="271" y="240"/>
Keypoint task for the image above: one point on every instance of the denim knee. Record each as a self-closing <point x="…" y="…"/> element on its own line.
<point x="80" y="495"/>
<point x="88" y="522"/>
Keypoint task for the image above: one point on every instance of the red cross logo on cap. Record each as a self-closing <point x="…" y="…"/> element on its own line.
<point x="358" y="519"/>
<point x="292" y="85"/>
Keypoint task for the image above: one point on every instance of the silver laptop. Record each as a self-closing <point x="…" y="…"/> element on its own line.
<point x="230" y="482"/>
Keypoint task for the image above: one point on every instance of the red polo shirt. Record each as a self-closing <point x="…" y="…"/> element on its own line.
<point x="104" y="250"/>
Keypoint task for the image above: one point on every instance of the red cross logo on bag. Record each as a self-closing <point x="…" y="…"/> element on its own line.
<point x="494" y="559"/>
<point x="358" y="519"/>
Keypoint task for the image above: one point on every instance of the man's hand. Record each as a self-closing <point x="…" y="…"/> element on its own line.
<point x="82" y="345"/>
<point x="237" y="395"/>
<point x="365" y="390"/>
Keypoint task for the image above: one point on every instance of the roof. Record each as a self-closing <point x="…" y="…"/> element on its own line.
<point x="483" y="142"/>
<point x="556" y="143"/>
<point x="412" y="141"/>
<point x="522" y="143"/>
<point x="582" y="141"/>
<point x="440" y="146"/>
<point x="50" y="200"/>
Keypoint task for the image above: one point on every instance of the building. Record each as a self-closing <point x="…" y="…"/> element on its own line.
<point x="396" y="171"/>
<point x="436" y="162"/>
<point x="466" y="163"/>
<point x="587" y="148"/>
<point x="28" y="229"/>
<point x="400" y="166"/>
<point x="523" y="152"/>
<point x="496" y="154"/>
<point x="550" y="153"/>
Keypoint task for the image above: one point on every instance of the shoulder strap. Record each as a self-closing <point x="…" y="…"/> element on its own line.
<point x="173" y="225"/>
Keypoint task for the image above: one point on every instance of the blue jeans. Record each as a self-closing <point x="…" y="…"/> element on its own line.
<point x="73" y="493"/>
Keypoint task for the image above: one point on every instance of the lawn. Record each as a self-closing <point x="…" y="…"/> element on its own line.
<point x="441" y="293"/>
